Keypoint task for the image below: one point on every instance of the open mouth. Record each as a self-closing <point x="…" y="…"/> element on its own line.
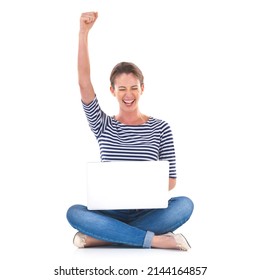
<point x="129" y="102"/>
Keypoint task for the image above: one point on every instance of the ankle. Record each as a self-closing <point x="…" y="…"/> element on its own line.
<point x="93" y="242"/>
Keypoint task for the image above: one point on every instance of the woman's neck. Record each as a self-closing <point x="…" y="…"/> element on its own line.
<point x="131" y="118"/>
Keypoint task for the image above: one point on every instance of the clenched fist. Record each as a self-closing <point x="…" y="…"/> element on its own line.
<point x="87" y="20"/>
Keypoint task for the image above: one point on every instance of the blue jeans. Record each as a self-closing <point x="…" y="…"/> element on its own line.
<point x="130" y="227"/>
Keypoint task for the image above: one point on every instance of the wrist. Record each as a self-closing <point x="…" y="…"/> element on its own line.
<point x="83" y="32"/>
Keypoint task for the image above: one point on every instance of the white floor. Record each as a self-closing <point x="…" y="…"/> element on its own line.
<point x="144" y="260"/>
<point x="218" y="252"/>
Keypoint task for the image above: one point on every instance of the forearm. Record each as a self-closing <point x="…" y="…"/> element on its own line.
<point x="86" y="88"/>
<point x="83" y="61"/>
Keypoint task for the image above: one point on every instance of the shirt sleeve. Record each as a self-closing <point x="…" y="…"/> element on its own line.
<point x="167" y="150"/>
<point x="95" y="116"/>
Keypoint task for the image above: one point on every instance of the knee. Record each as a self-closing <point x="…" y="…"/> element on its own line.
<point x="185" y="205"/>
<point x="188" y="205"/>
<point x="73" y="212"/>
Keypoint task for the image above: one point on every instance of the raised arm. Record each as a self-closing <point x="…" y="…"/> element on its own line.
<point x="87" y="20"/>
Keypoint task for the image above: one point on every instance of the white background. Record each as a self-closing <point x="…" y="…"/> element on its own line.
<point x="201" y="63"/>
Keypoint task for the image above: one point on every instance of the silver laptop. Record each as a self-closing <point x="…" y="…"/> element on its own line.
<point x="127" y="185"/>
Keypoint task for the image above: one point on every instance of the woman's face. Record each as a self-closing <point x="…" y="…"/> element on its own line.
<point x="127" y="89"/>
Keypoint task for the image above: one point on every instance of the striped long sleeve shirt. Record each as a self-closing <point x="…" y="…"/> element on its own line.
<point x="152" y="140"/>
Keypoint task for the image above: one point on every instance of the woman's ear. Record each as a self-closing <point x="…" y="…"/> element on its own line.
<point x="112" y="90"/>
<point x="142" y="88"/>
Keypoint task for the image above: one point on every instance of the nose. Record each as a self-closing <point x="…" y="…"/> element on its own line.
<point x="128" y="94"/>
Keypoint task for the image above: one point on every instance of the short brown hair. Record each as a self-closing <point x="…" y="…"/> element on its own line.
<point x="127" y="68"/>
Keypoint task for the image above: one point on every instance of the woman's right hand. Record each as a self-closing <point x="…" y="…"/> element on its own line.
<point x="87" y="20"/>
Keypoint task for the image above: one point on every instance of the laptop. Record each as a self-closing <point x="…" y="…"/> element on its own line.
<point x="127" y="185"/>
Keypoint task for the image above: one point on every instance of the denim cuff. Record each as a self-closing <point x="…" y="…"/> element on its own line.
<point x="148" y="239"/>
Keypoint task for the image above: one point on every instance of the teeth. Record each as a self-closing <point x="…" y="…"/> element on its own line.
<point x="128" y="101"/>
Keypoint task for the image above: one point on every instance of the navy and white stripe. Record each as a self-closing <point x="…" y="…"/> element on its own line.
<point x="152" y="140"/>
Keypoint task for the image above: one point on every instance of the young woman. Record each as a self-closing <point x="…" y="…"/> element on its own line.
<point x="129" y="135"/>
